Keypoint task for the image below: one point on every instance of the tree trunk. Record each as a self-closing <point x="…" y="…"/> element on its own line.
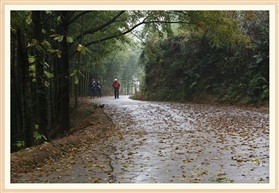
<point x="78" y="68"/>
<point x="28" y="125"/>
<point x="40" y="76"/>
<point x="17" y="132"/>
<point x="63" y="72"/>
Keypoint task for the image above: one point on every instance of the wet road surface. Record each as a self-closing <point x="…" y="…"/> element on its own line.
<point x="162" y="142"/>
<point x="165" y="142"/>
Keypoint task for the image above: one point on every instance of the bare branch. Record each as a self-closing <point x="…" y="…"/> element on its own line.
<point x="77" y="16"/>
<point x="92" y="31"/>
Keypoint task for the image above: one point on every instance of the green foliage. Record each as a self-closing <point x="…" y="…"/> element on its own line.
<point x="258" y="89"/>
<point x="58" y="38"/>
<point x="48" y="74"/>
<point x="31" y="59"/>
<point x="20" y="144"/>
<point x="38" y="137"/>
<point x="211" y="63"/>
<point x="73" y="73"/>
<point x="32" y="70"/>
<point x="82" y="49"/>
<point x="76" y="80"/>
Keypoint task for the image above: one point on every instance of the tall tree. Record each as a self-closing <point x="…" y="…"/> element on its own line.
<point x="63" y="71"/>
<point x="27" y="111"/>
<point x="40" y="76"/>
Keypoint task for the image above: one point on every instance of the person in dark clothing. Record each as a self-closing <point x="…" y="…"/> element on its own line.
<point x="116" y="87"/>
<point x="99" y="89"/>
<point x="92" y="89"/>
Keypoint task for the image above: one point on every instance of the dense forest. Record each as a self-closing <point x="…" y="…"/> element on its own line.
<point x="225" y="60"/>
<point x="204" y="56"/>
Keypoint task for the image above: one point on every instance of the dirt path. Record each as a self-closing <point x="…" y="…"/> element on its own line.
<point x="160" y="142"/>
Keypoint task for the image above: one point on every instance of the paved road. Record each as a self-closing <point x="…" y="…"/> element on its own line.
<point x="161" y="142"/>
<point x="185" y="143"/>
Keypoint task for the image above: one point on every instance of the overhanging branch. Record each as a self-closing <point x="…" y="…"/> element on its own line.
<point x="92" y="31"/>
<point x="129" y="30"/>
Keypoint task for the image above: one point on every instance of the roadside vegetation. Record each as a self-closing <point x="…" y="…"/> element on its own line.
<point x="224" y="59"/>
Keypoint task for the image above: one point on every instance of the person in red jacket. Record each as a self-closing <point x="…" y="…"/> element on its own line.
<point x="116" y="87"/>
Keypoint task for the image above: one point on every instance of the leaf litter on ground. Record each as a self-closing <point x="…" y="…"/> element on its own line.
<point x="61" y="155"/>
